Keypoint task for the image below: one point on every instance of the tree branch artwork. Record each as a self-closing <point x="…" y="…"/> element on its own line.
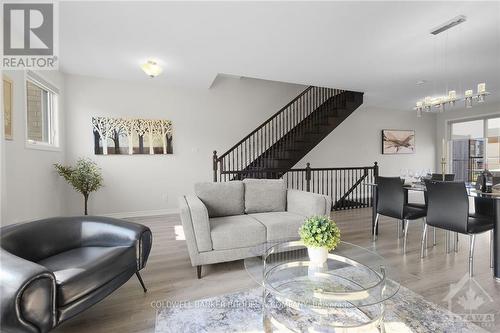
<point x="100" y="126"/>
<point x="127" y="127"/>
<point x="164" y="128"/>
<point x="140" y="128"/>
<point x="151" y="130"/>
<point x="129" y="136"/>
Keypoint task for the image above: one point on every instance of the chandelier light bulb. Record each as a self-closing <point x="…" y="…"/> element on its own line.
<point x="452" y="97"/>
<point x="468" y="102"/>
<point x="438" y="105"/>
<point x="481" y="88"/>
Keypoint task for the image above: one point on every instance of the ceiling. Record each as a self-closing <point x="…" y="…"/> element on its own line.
<point x="380" y="48"/>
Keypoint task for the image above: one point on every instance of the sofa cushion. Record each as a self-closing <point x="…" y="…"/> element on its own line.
<point x="265" y="195"/>
<point x="280" y="225"/>
<point x="82" y="270"/>
<point x="231" y="232"/>
<point x="307" y="203"/>
<point x="222" y="199"/>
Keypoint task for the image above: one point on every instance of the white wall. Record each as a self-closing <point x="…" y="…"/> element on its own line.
<point x="358" y="142"/>
<point x="31" y="188"/>
<point x="2" y="160"/>
<point x="459" y="112"/>
<point x="203" y="120"/>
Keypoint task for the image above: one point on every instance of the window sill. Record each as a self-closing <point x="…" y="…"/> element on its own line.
<point x="42" y="146"/>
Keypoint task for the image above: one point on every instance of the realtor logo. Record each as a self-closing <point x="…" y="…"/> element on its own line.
<point x="29" y="36"/>
<point x="468" y="299"/>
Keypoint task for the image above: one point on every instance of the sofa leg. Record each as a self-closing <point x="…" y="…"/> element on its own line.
<point x="198" y="271"/>
<point x="140" y="280"/>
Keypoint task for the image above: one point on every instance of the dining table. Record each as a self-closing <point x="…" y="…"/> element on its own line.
<point x="473" y="193"/>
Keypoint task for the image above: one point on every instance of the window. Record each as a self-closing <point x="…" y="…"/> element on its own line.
<point x="475" y="144"/>
<point x="41" y="113"/>
<point x="467" y="130"/>
<point x="493" y="147"/>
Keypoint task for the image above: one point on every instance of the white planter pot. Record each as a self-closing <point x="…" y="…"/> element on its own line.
<point x="317" y="255"/>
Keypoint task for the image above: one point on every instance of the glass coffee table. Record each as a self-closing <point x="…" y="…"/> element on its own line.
<point x="346" y="294"/>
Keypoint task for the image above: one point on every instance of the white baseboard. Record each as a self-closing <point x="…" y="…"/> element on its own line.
<point x="144" y="213"/>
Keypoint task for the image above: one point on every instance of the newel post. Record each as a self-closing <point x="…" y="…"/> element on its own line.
<point x="308" y="177"/>
<point x="374" y="199"/>
<point x="215" y="165"/>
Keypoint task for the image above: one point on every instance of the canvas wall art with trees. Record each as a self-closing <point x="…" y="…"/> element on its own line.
<point x="128" y="136"/>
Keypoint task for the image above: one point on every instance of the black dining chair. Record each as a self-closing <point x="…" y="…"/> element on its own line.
<point x="391" y="202"/>
<point x="448" y="209"/>
<point x="448" y="177"/>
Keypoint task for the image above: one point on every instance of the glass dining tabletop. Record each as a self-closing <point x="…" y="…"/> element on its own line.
<point x="471" y="190"/>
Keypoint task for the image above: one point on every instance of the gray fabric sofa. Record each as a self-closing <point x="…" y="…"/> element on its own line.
<point x="55" y="268"/>
<point x="225" y="221"/>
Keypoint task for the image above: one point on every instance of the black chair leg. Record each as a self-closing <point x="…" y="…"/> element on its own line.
<point x="140" y="280"/>
<point x="198" y="271"/>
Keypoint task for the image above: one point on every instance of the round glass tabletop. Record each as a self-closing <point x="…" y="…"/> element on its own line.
<point x="352" y="276"/>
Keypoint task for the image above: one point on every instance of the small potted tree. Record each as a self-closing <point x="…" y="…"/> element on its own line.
<point x="85" y="177"/>
<point x="320" y="235"/>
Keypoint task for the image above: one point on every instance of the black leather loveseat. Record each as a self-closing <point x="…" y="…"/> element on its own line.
<point x="53" y="269"/>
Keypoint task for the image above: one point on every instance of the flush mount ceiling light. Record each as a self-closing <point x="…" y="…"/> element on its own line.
<point x="151" y="68"/>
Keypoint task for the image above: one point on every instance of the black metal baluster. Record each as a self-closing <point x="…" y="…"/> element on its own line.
<point x="340" y="186"/>
<point x="365" y="188"/>
<point x="253" y="147"/>
<point x="322" y="182"/>
<point x="358" y="175"/>
<point x="327" y="182"/>
<point x="343" y="186"/>
<point x="355" y="192"/>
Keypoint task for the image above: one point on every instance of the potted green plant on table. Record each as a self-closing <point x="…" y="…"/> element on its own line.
<point x="85" y="177"/>
<point x="320" y="234"/>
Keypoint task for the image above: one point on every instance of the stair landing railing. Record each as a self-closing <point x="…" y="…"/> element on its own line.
<point x="248" y="149"/>
<point x="344" y="185"/>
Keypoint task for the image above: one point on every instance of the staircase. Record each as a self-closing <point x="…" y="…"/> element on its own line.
<point x="274" y="147"/>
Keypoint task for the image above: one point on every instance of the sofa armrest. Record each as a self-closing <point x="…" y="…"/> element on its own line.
<point x="196" y="224"/>
<point x="307" y="203"/>
<point x="27" y="295"/>
<point x="106" y="231"/>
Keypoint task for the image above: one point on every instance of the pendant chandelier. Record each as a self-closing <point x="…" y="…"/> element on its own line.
<point x="440" y="103"/>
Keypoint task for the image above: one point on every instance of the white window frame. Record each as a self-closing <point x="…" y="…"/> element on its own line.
<point x="484" y="118"/>
<point x="53" y="116"/>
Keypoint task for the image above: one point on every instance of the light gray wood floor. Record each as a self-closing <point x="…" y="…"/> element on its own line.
<point x="170" y="276"/>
